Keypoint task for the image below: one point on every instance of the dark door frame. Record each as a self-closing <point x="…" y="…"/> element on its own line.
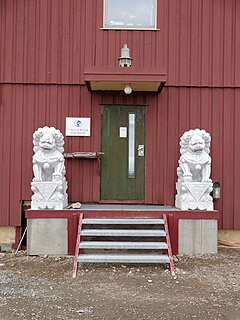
<point x="140" y="111"/>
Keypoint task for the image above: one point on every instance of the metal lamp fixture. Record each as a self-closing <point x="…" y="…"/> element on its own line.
<point x="125" y="60"/>
<point x="216" y="190"/>
<point x="128" y="89"/>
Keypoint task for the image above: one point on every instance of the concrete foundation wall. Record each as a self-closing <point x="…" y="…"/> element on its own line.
<point x="47" y="236"/>
<point x="197" y="236"/>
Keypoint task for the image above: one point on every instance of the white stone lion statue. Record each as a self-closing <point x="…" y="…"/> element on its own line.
<point x="48" y="160"/>
<point x="195" y="162"/>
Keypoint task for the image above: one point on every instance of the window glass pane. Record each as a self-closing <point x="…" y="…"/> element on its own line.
<point x="131" y="145"/>
<point x="130" y="14"/>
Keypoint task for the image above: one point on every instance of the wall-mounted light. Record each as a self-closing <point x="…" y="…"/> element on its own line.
<point x="216" y="190"/>
<point x="128" y="89"/>
<point x="125" y="60"/>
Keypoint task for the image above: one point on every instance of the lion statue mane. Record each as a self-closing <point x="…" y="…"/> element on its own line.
<point x="195" y="162"/>
<point x="48" y="160"/>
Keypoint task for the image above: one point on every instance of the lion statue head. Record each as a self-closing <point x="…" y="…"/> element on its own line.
<point x="48" y="138"/>
<point x="195" y="140"/>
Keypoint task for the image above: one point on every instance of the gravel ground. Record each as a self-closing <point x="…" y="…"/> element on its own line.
<point x="205" y="287"/>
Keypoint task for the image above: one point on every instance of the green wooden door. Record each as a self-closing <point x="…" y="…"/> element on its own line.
<point x="123" y="145"/>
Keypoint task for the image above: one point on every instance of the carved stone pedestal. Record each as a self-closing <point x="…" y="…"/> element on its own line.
<point x="194" y="196"/>
<point x="49" y="195"/>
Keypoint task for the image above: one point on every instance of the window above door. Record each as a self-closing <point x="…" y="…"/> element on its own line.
<point x="130" y="14"/>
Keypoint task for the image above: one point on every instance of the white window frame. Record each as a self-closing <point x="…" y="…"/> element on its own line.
<point x="118" y="27"/>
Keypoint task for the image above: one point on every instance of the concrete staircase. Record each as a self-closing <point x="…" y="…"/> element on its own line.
<point x="123" y="240"/>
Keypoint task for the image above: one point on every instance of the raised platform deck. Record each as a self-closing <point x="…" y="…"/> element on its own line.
<point x="92" y="210"/>
<point x="126" y="207"/>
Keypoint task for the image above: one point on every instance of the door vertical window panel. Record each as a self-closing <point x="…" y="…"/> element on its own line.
<point x="131" y="145"/>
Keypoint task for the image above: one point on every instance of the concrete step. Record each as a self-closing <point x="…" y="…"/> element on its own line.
<point x="124" y="258"/>
<point x="123" y="221"/>
<point x="123" y="233"/>
<point x="122" y="245"/>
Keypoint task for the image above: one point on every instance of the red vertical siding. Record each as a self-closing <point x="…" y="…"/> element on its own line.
<point x="235" y="195"/>
<point x="10" y="159"/>
<point x="24" y="108"/>
<point x="50" y="41"/>
<point x="175" y="111"/>
<point x="27" y="107"/>
<point x="44" y="48"/>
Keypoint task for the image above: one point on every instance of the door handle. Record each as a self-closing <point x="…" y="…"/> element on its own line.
<point x="141" y="150"/>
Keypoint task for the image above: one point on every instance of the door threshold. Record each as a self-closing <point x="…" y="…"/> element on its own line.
<point x="122" y="201"/>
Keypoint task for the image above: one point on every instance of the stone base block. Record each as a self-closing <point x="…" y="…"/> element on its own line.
<point x="197" y="236"/>
<point x="52" y="205"/>
<point x="49" y="195"/>
<point x="193" y="205"/>
<point x="47" y="236"/>
<point x="194" y="196"/>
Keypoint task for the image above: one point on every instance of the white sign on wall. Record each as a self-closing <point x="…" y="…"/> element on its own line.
<point x="123" y="132"/>
<point x="78" y="126"/>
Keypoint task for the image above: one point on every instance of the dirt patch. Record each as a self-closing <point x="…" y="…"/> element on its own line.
<point x="205" y="287"/>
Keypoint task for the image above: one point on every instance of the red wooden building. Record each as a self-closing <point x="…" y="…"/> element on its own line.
<point x="59" y="58"/>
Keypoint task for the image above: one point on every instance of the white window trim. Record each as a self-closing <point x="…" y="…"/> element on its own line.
<point x="128" y="28"/>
